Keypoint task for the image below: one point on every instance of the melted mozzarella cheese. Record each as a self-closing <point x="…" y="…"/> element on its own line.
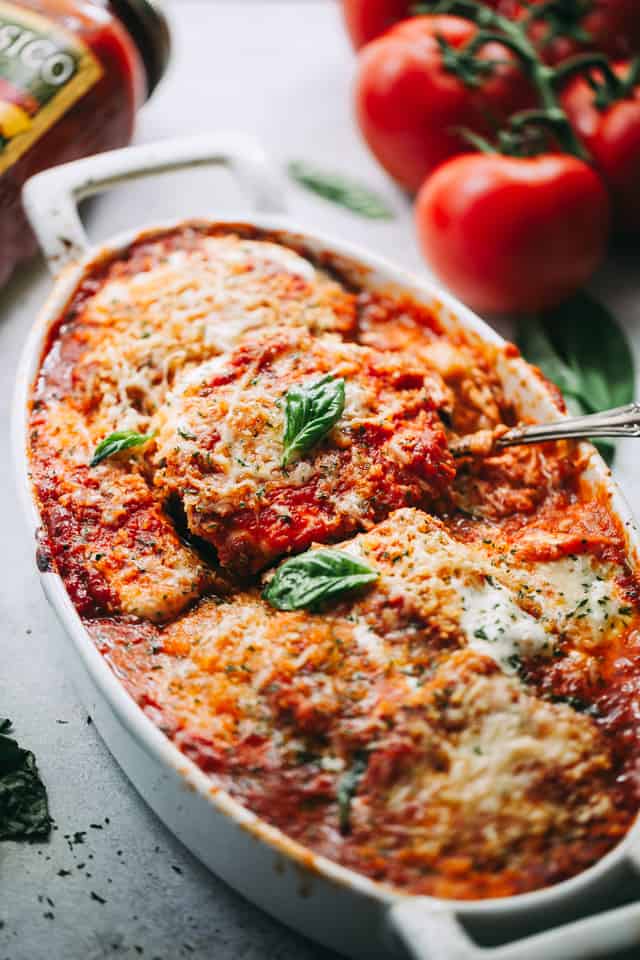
<point x="370" y="643"/>
<point x="188" y="305"/>
<point x="497" y="627"/>
<point x="505" y="741"/>
<point x="263" y="253"/>
<point x="250" y="424"/>
<point x="502" y="609"/>
<point x="575" y="596"/>
<point x="579" y="589"/>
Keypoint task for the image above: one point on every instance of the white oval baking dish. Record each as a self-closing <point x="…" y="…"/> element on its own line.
<point x="329" y="903"/>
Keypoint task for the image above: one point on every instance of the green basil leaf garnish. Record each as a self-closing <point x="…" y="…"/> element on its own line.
<point x="115" y="442"/>
<point x="581" y="349"/>
<point x="308" y="580"/>
<point x="311" y="410"/>
<point x="24" y="810"/>
<point x="347" y="789"/>
<point x="341" y="190"/>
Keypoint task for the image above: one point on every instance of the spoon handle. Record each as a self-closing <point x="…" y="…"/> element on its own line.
<point x="620" y="422"/>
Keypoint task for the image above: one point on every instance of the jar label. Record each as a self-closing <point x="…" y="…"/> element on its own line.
<point x="44" y="70"/>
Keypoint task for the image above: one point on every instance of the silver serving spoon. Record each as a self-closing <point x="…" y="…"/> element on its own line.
<point x="620" y="422"/>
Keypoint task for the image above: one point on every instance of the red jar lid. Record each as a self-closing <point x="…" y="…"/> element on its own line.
<point x="147" y="23"/>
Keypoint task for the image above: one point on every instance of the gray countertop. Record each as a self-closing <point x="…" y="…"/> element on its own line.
<point x="123" y="886"/>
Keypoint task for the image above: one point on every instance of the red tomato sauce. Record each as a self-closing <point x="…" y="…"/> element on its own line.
<point x="101" y="118"/>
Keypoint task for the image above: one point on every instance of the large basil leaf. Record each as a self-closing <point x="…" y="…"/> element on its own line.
<point x="24" y="812"/>
<point x="341" y="190"/>
<point x="536" y="347"/>
<point x="597" y="351"/>
<point x="584" y="352"/>
<point x="307" y="581"/>
<point x="311" y="410"/>
<point x="115" y="442"/>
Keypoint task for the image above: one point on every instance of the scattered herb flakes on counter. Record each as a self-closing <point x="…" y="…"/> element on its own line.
<point x="24" y="810"/>
<point x="581" y="349"/>
<point x="340" y="190"/>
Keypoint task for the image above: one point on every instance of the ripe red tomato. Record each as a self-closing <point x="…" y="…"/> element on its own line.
<point x="510" y="234"/>
<point x="612" y="27"/>
<point x="367" y="19"/>
<point x="612" y="137"/>
<point x="411" y="108"/>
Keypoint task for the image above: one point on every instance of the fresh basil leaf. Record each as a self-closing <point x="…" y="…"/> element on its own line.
<point x="115" y="442"/>
<point x="597" y="350"/>
<point x="341" y="190"/>
<point x="581" y="349"/>
<point x="24" y="810"/>
<point x="347" y="789"/>
<point x="306" y="581"/>
<point x="311" y="411"/>
<point x="606" y="449"/>
<point x="536" y="347"/>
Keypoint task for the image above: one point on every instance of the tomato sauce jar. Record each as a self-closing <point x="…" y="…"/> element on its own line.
<point x="73" y="73"/>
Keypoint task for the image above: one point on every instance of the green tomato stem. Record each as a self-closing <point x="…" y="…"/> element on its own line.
<point x="547" y="119"/>
<point x="632" y="78"/>
<point x="481" y="144"/>
<point x="571" y="10"/>
<point x="612" y="88"/>
<point x="585" y="62"/>
<point x="494" y="27"/>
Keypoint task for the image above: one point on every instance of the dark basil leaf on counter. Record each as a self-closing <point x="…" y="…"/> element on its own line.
<point x="115" y="442"/>
<point x="581" y="349"/>
<point x="536" y="347"/>
<point x="311" y="411"/>
<point x="306" y="581"/>
<point x="341" y="190"/>
<point x="347" y="789"/>
<point x="24" y="811"/>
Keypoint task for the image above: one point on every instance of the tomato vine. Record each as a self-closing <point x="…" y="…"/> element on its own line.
<point x="549" y="115"/>
<point x="562" y="16"/>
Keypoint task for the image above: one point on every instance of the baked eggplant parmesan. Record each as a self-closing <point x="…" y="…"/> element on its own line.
<point x="425" y="668"/>
<point x="219" y="446"/>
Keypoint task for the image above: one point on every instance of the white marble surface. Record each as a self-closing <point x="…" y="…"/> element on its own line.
<point x="281" y="71"/>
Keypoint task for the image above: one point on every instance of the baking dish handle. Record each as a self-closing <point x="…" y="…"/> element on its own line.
<point x="430" y="933"/>
<point x="51" y="198"/>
